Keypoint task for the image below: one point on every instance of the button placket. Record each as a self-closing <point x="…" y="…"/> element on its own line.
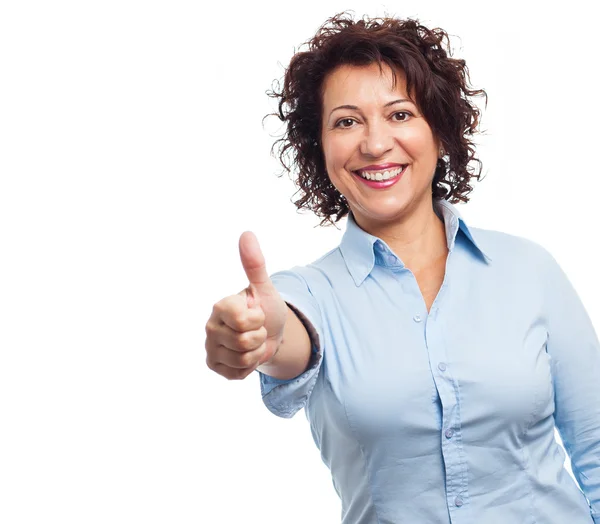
<point x="451" y="446"/>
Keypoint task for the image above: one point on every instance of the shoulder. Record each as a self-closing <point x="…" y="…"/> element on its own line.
<point x="313" y="276"/>
<point x="316" y="272"/>
<point x="503" y="247"/>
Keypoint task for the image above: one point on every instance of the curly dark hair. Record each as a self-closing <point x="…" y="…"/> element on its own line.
<point x="441" y="95"/>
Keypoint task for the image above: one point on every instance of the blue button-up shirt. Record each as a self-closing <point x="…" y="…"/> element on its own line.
<point x="448" y="416"/>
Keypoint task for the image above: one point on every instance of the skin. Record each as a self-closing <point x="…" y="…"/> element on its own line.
<point x="403" y="214"/>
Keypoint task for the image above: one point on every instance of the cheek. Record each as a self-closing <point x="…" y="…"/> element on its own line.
<point x="420" y="143"/>
<point x="338" y="154"/>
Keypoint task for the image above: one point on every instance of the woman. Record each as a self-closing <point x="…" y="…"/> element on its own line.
<point x="433" y="359"/>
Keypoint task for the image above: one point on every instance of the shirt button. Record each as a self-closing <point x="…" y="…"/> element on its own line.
<point x="449" y="433"/>
<point x="458" y="501"/>
<point x="417" y="318"/>
<point x="442" y="366"/>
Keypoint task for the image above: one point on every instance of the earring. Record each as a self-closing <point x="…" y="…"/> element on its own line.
<point x="442" y="152"/>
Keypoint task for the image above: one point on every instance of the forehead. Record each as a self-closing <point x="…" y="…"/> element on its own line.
<point x="354" y="83"/>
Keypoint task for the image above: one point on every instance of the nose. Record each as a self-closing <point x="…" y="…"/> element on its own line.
<point x="377" y="140"/>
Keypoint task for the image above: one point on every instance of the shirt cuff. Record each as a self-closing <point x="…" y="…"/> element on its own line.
<point x="285" y="398"/>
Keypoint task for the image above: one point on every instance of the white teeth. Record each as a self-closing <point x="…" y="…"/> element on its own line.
<point x="380" y="175"/>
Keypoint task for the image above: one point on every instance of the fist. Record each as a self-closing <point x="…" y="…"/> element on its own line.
<point x="245" y="330"/>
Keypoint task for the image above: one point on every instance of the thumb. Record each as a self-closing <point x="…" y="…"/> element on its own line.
<point x="253" y="262"/>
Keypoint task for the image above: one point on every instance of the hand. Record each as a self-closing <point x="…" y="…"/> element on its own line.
<point x="245" y="330"/>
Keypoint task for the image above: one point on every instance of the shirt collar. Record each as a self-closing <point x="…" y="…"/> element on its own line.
<point x="360" y="249"/>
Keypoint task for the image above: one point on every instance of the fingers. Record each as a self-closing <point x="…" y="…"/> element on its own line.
<point x="231" y="373"/>
<point x="239" y="342"/>
<point x="233" y="364"/>
<point x="235" y="338"/>
<point x="253" y="260"/>
<point x="234" y="313"/>
<point x="238" y="359"/>
<point x="236" y="334"/>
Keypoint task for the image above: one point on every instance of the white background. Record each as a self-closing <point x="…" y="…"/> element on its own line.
<point x="132" y="157"/>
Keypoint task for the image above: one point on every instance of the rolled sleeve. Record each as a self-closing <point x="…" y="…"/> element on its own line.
<point x="575" y="351"/>
<point x="285" y="398"/>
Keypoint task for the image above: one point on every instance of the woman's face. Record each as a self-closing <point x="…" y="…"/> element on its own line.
<point x="378" y="133"/>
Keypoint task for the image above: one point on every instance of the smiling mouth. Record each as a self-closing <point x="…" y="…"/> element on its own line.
<point x="381" y="176"/>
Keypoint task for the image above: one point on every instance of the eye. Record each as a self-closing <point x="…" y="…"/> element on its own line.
<point x="402" y="113"/>
<point x="344" y="120"/>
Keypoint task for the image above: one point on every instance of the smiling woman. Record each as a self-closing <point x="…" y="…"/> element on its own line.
<point x="323" y="89"/>
<point x="434" y="359"/>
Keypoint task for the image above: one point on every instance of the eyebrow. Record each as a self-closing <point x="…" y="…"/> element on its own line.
<point x="355" y="108"/>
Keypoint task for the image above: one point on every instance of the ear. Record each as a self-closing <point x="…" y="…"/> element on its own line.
<point x="441" y="149"/>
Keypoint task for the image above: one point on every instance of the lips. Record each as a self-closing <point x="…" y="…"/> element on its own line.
<point x="381" y="167"/>
<point x="381" y="184"/>
<point x="371" y="172"/>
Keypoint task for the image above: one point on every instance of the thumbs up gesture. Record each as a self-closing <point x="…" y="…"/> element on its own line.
<point x="245" y="330"/>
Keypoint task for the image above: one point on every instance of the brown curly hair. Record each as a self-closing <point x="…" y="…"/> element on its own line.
<point x="441" y="96"/>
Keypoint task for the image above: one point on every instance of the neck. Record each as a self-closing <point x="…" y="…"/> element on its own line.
<point x="418" y="238"/>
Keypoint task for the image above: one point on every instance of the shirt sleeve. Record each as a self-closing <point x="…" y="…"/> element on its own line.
<point x="285" y="398"/>
<point x="575" y="352"/>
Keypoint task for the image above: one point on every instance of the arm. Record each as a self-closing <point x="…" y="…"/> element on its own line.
<point x="293" y="354"/>
<point x="575" y="350"/>
<point x="287" y="381"/>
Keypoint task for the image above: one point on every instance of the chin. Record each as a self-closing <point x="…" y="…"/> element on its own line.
<point x="380" y="215"/>
<point x="389" y="210"/>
